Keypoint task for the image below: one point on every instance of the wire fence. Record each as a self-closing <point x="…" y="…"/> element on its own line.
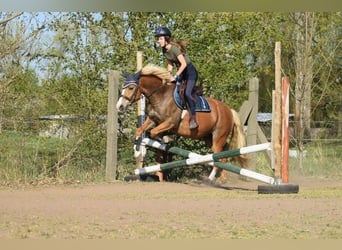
<point x="37" y="148"/>
<point x="323" y="131"/>
<point x="320" y="131"/>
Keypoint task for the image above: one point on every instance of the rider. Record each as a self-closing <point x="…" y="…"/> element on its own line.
<point x="175" y="55"/>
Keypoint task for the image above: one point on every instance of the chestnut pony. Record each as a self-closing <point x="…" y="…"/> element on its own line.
<point x="163" y="115"/>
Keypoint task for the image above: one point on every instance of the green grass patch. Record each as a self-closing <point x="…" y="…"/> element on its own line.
<point x="32" y="158"/>
<point x="26" y="157"/>
<point x="321" y="159"/>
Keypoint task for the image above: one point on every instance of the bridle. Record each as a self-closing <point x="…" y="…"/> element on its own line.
<point x="135" y="83"/>
<point x="130" y="99"/>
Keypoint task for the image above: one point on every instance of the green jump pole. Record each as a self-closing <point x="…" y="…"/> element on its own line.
<point x="211" y="159"/>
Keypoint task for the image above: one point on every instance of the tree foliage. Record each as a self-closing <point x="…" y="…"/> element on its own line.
<point x="57" y="63"/>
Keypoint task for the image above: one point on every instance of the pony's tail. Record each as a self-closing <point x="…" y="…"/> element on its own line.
<point x="238" y="140"/>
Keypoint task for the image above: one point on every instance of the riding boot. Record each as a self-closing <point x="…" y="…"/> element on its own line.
<point x="193" y="123"/>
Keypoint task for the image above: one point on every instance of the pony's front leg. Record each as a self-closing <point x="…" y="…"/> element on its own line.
<point x="162" y="127"/>
<point x="148" y="123"/>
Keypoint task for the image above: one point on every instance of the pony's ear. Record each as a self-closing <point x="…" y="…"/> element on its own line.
<point x="137" y="75"/>
<point x="124" y="74"/>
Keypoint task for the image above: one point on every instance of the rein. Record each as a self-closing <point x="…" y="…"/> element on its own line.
<point x="154" y="91"/>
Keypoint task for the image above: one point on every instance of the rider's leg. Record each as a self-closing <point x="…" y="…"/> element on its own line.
<point x="188" y="96"/>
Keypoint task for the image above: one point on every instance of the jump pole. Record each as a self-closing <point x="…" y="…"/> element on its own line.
<point x="211" y="159"/>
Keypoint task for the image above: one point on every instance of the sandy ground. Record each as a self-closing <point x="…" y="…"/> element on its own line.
<point x="135" y="210"/>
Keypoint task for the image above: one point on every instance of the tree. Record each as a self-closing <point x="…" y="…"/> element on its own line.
<point x="304" y="33"/>
<point x="314" y="41"/>
<point x="61" y="61"/>
<point x="18" y="83"/>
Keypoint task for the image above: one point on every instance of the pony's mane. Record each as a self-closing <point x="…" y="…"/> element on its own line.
<point x="151" y="69"/>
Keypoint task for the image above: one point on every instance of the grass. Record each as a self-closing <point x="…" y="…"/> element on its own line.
<point x="30" y="158"/>
<point x="25" y="157"/>
<point x="322" y="159"/>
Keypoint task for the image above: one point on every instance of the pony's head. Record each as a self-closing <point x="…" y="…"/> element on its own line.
<point x="130" y="91"/>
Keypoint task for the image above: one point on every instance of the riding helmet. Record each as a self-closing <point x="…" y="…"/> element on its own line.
<point x="163" y="31"/>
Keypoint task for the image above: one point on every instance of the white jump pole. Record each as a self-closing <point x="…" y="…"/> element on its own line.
<point x="211" y="159"/>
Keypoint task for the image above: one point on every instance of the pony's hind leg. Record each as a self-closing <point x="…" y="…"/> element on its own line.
<point x="162" y="157"/>
<point x="224" y="173"/>
<point x="209" y="142"/>
<point x="218" y="146"/>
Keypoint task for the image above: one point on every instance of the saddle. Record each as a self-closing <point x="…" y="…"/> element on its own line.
<point x="201" y="102"/>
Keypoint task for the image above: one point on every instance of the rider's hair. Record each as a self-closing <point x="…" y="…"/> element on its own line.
<point x="179" y="44"/>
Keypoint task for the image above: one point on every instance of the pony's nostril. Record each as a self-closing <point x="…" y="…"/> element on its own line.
<point x="121" y="108"/>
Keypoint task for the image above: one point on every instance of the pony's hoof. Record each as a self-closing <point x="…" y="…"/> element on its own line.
<point x="159" y="139"/>
<point x="132" y="178"/>
<point x="208" y="182"/>
<point x="220" y="181"/>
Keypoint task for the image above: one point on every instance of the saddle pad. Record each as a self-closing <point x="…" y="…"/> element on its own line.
<point x="202" y="104"/>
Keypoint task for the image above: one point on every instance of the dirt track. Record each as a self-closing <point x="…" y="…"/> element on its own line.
<point x="138" y="210"/>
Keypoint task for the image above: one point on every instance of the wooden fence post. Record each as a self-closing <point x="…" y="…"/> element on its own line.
<point x="285" y="129"/>
<point x="276" y="136"/>
<point x="112" y="125"/>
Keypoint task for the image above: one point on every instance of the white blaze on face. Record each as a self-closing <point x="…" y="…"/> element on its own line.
<point x="119" y="103"/>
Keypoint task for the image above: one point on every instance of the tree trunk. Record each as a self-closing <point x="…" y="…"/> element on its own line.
<point x="304" y="75"/>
